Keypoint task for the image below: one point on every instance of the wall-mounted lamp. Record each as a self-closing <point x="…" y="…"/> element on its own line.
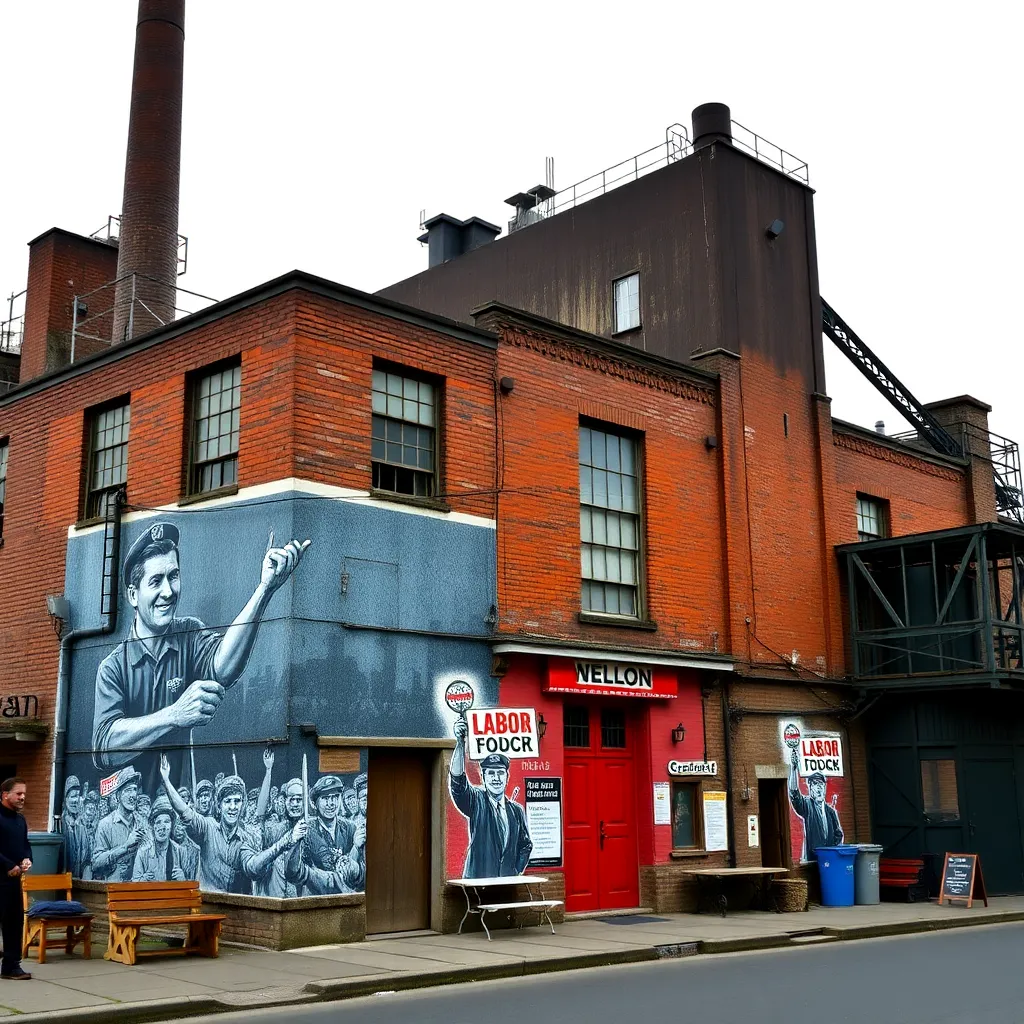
<point x="542" y="726"/>
<point x="774" y="229"/>
<point x="710" y="442"/>
<point x="58" y="607"/>
<point x="507" y="385"/>
<point x="678" y="733"/>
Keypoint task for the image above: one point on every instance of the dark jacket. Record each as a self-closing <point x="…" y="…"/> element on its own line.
<point x="14" y="845"/>
<point x="814" y="834"/>
<point x="485" y="857"/>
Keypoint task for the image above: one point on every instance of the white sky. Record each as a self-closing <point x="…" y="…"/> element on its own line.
<point x="315" y="132"/>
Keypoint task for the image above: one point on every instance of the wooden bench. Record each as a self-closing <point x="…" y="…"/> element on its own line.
<point x="135" y="905"/>
<point x="75" y="928"/>
<point x="904" y="876"/>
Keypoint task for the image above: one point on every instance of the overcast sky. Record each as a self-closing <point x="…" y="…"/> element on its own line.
<point x="314" y="133"/>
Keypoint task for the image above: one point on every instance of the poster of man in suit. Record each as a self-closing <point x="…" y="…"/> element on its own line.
<point x="499" y="837"/>
<point x="815" y="760"/>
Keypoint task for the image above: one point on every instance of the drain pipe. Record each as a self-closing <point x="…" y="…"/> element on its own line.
<point x="108" y="623"/>
<point x="729" y="802"/>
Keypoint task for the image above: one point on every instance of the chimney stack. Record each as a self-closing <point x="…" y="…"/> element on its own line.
<point x="148" y="244"/>
<point x="712" y="122"/>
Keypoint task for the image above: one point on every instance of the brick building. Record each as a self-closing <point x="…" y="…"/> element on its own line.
<point x="590" y="470"/>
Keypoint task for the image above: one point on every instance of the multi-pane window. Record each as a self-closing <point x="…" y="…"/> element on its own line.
<point x="576" y="727"/>
<point x="938" y="787"/>
<point x="108" y="457"/>
<point x="404" y="438"/>
<point x="613" y="728"/>
<point x="872" y="520"/>
<point x="626" y="295"/>
<point x="609" y="522"/>
<point x="3" y="482"/>
<point x="216" y="411"/>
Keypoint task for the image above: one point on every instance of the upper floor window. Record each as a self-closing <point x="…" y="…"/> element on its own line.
<point x="107" y="468"/>
<point x="216" y="416"/>
<point x="626" y="294"/>
<point x="3" y="482"/>
<point x="872" y="518"/>
<point x="609" y="522"/>
<point x="404" y="445"/>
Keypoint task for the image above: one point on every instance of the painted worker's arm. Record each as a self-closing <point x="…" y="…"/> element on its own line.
<point x="240" y="636"/>
<point x="264" y="798"/>
<point x="255" y="861"/>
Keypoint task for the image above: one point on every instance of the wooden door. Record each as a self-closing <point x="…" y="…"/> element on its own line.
<point x="599" y="817"/>
<point x="993" y="823"/>
<point x="398" y="840"/>
<point x="773" y="813"/>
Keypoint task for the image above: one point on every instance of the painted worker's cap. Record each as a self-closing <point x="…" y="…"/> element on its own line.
<point x="155" y="532"/>
<point x="161" y="805"/>
<point x="227" y="786"/>
<point x="816" y="777"/>
<point x="205" y="786"/>
<point x="360" y="782"/>
<point x="494" y="761"/>
<point x="326" y="784"/>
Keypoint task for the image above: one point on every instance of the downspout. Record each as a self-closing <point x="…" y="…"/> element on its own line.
<point x="729" y="802"/>
<point x="108" y="623"/>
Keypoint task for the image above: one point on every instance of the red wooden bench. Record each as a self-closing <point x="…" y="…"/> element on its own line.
<point x="902" y="876"/>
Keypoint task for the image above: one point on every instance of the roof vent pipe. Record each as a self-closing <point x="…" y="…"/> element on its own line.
<point x="880" y="427"/>
<point x="712" y="122"/>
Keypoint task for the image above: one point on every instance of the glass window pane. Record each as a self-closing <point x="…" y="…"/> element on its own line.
<point x="585" y="446"/>
<point x="576" y="727"/>
<point x="613" y="727"/>
<point x="684" y="802"/>
<point x="938" y="785"/>
<point x="380" y="380"/>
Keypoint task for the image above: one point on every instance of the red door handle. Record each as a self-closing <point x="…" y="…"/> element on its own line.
<point x="603" y="837"/>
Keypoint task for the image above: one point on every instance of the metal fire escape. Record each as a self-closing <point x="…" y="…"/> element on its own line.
<point x="1002" y="453"/>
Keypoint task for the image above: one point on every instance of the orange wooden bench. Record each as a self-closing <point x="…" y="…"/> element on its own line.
<point x="76" y="928"/>
<point x="903" y="874"/>
<point x="133" y="906"/>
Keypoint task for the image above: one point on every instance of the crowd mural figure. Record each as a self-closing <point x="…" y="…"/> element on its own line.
<point x="272" y="840"/>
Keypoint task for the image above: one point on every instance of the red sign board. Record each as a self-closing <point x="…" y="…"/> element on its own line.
<point x="611" y="678"/>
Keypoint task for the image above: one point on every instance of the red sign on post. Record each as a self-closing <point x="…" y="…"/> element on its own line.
<point x="611" y="678"/>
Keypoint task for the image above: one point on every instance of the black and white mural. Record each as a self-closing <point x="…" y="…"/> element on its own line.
<point x="192" y="735"/>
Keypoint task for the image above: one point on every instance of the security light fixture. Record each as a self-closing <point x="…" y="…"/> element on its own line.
<point x="58" y="607"/>
<point x="774" y="229"/>
<point x="507" y="385"/>
<point x="678" y="733"/>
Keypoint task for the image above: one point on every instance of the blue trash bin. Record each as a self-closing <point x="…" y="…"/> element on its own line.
<point x="836" y="867"/>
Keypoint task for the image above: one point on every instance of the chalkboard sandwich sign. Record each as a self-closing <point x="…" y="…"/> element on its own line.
<point x="962" y="881"/>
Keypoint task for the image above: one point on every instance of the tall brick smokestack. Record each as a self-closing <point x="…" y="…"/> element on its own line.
<point x="148" y="246"/>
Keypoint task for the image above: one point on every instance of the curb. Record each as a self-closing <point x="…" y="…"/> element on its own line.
<point x="334" y="990"/>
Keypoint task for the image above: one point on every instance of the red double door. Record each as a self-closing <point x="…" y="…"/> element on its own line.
<point x="599" y="814"/>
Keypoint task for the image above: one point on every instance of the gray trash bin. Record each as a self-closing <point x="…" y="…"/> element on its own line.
<point x="47" y="852"/>
<point x="865" y="872"/>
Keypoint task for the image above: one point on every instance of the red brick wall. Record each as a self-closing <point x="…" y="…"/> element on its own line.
<point x="539" y="515"/>
<point x="305" y="412"/>
<point x="60" y="266"/>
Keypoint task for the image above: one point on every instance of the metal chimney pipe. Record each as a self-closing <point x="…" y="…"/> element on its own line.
<point x="147" y="262"/>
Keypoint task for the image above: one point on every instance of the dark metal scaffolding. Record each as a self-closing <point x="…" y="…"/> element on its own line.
<point x="938" y="608"/>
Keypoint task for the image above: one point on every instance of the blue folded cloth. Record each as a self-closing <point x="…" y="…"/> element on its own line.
<point x="58" y="908"/>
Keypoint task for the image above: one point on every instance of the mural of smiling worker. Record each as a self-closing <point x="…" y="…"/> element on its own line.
<point x="170" y="674"/>
<point x="499" y="838"/>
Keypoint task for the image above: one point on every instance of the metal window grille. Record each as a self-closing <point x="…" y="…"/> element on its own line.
<point x="404" y="455"/>
<point x="3" y="482"/>
<point x="613" y="728"/>
<point x="217" y="401"/>
<point x="626" y="292"/>
<point x="108" y="459"/>
<point x="576" y="727"/>
<point x="871" y="519"/>
<point x="609" y="522"/>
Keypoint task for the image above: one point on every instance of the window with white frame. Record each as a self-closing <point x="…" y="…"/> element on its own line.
<point x="872" y="518"/>
<point x="626" y="294"/>
<point x="216" y="422"/>
<point x="108" y="456"/>
<point x="609" y="522"/>
<point x="404" y="438"/>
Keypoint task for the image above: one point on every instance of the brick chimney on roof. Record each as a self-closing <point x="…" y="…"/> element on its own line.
<point x="148" y="246"/>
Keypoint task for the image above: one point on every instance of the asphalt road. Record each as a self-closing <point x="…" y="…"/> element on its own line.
<point x="967" y="976"/>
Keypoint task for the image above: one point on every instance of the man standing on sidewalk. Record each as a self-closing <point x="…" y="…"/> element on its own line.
<point x="15" y="860"/>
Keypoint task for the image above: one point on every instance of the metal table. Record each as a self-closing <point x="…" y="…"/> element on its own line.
<point x="471" y="890"/>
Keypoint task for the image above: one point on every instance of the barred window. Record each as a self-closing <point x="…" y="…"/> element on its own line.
<point x="609" y="522"/>
<point x="872" y="518"/>
<point x="108" y="457"/>
<point x="404" y="437"/>
<point x="3" y="482"/>
<point x="216" y="416"/>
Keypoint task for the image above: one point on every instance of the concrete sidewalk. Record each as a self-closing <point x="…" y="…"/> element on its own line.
<point x="173" y="987"/>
